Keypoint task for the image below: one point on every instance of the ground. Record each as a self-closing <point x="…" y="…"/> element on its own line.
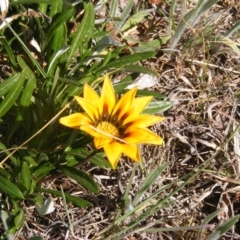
<point x="201" y="78"/>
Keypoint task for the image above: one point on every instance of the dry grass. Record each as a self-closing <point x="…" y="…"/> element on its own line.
<point x="201" y="79"/>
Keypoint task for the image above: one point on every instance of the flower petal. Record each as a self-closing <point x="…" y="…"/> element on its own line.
<point x="88" y="107"/>
<point x="113" y="152"/>
<point x="99" y="142"/>
<point x="91" y="96"/>
<point x="132" y="151"/>
<point x="75" y="120"/>
<point x="143" y="121"/>
<point x="141" y="135"/>
<point x="137" y="106"/>
<point x="90" y="129"/>
<point x="124" y="103"/>
<point x="108" y="96"/>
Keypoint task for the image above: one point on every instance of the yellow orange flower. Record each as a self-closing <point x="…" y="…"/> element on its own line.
<point x="117" y="126"/>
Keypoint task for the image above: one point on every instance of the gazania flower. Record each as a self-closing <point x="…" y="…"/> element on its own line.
<point x="117" y="126"/>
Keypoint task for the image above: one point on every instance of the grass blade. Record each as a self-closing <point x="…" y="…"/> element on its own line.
<point x="148" y="182"/>
<point x="207" y="219"/>
<point x="190" y="19"/>
<point x="223" y="228"/>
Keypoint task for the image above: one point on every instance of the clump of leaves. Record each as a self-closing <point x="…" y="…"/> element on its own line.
<point x="49" y="50"/>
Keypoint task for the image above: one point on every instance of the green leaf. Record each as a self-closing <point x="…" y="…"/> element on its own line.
<point x="43" y="168"/>
<point x="123" y="61"/>
<point x="138" y="69"/>
<point x="35" y="238"/>
<point x="81" y="177"/>
<point x="12" y="95"/>
<point x="30" y="160"/>
<point x="143" y="93"/>
<point x="59" y="21"/>
<point x="28" y="52"/>
<point x="136" y="18"/>
<point x="157" y="107"/>
<point x="190" y="19"/>
<point x="223" y="228"/>
<point x="75" y="200"/>
<point x="152" y="46"/>
<point x="5" y="218"/>
<point x="53" y="62"/>
<point x="83" y="33"/>
<point x="149" y="180"/>
<point x="113" y="8"/>
<point x="120" y="86"/>
<point x="31" y="83"/>
<point x="234" y="46"/>
<point x="186" y="22"/>
<point x="98" y="159"/>
<point x="125" y="14"/>
<point x="233" y="29"/>
<point x="13" y="3"/>
<point x="9" y="51"/>
<point x="10" y="189"/>
<point x="150" y="93"/>
<point x="25" y="175"/>
<point x="56" y="7"/>
<point x="25" y="99"/>
<point x="207" y="220"/>
<point x="19" y="219"/>
<point x="7" y="152"/>
<point x="6" y="85"/>
<point x="32" y="187"/>
<point x="4" y="173"/>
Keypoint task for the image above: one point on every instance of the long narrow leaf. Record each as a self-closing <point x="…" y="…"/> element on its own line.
<point x="25" y="175"/>
<point x="56" y="7"/>
<point x="81" y="177"/>
<point x="28" y="52"/>
<point x="12" y="96"/>
<point x="10" y="189"/>
<point x="123" y="61"/>
<point x="5" y="219"/>
<point x="83" y="32"/>
<point x="9" y="51"/>
<point x="157" y="107"/>
<point x="30" y="85"/>
<point x="13" y="3"/>
<point x="55" y="58"/>
<point x="207" y="220"/>
<point x="75" y="200"/>
<point x="19" y="219"/>
<point x="113" y="8"/>
<point x="61" y="19"/>
<point x="6" y="85"/>
<point x="148" y="182"/>
<point x="233" y="29"/>
<point x="190" y="19"/>
<point x="223" y="228"/>
<point x="125" y="14"/>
